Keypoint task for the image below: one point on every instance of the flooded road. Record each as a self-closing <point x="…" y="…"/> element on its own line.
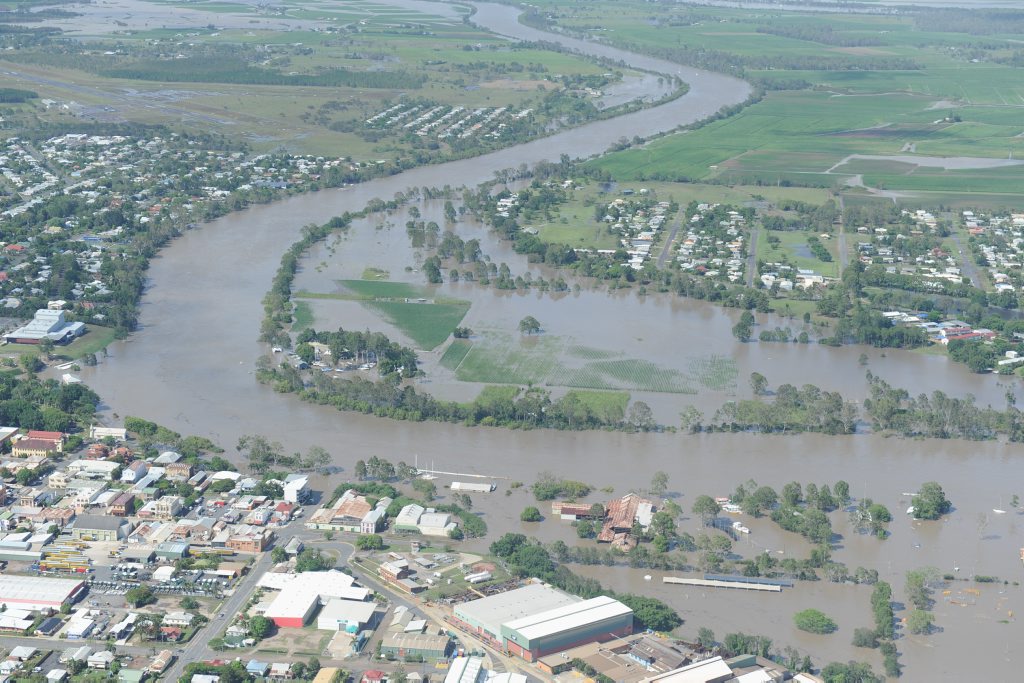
<point x="190" y="367"/>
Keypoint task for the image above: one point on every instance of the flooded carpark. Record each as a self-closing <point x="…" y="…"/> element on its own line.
<point x="191" y="364"/>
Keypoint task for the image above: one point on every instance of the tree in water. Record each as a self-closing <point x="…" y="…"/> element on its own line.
<point x="529" y="325"/>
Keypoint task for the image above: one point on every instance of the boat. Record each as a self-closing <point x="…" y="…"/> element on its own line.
<point x="910" y="510"/>
<point x="998" y="511"/>
<point x="740" y="528"/>
<point x="731" y="508"/>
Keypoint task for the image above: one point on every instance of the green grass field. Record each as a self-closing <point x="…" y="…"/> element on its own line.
<point x="428" y="325"/>
<point x="500" y="358"/>
<point x="793" y="247"/>
<point x="94" y="340"/>
<point x="302" y="316"/>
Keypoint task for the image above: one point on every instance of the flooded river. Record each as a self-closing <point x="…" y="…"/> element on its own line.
<point x="190" y="367"/>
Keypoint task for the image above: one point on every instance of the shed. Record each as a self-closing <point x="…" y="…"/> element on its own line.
<point x="257" y="668"/>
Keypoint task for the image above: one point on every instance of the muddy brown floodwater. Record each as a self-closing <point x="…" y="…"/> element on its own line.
<point x="190" y="367"/>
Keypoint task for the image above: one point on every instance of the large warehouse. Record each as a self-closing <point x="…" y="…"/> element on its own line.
<point x="485" y="616"/>
<point x="537" y="620"/>
<point x="595" y="620"/>
<point x="36" y="593"/>
<point x="302" y="594"/>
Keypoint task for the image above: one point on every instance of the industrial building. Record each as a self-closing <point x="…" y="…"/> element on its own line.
<point x="485" y="616"/>
<point x="100" y="528"/>
<point x="302" y="594"/>
<point x="471" y="670"/>
<point x="595" y="620"/>
<point x="350" y="616"/>
<point x="46" y="324"/>
<point x="425" y="645"/>
<point x="37" y="593"/>
<point x="713" y="670"/>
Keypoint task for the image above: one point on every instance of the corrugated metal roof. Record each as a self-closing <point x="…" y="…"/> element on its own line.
<point x="493" y="611"/>
<point x="568" y="617"/>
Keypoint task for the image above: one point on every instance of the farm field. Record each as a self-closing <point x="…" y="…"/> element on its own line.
<point x="496" y="357"/>
<point x="835" y="85"/>
<point x="410" y="308"/>
<point x="304" y="90"/>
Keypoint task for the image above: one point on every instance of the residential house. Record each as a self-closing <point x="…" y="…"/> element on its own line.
<point x="179" y="471"/>
<point x="123" y="505"/>
<point x="134" y="472"/>
<point x="101" y="660"/>
<point x="182" y="619"/>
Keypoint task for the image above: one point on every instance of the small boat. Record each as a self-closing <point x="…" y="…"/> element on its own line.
<point x="647" y="577"/>
<point x="998" y="511"/>
<point x="910" y="510"/>
<point x="732" y="508"/>
<point x="740" y="528"/>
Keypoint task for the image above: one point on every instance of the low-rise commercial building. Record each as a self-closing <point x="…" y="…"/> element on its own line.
<point x="36" y="593"/>
<point x="425" y="645"/>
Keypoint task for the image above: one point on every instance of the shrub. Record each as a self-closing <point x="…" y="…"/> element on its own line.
<point x="814" y="621"/>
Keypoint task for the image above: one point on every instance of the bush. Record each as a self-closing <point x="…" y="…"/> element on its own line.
<point x="531" y="514"/>
<point x="814" y="621"/>
<point x="865" y="637"/>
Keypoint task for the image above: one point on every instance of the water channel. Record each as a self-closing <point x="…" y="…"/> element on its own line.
<point x="190" y="367"/>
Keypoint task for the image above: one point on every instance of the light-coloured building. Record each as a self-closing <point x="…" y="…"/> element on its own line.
<point x="37" y="593"/>
<point x="46" y="324"/>
<point x="351" y="616"/>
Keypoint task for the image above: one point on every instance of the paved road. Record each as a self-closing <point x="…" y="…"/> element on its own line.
<point x="966" y="261"/>
<point x="671" y="238"/>
<point x="198" y="648"/>
<point x="841" y="246"/>
<point x="755" y="234"/>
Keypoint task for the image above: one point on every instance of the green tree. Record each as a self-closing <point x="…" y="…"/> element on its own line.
<point x="313" y="560"/>
<point x="851" y="672"/>
<point x="640" y="415"/>
<point x="189" y="603"/>
<point x="930" y="502"/>
<point x="759" y="383"/>
<point x="707" y="508"/>
<point x="278" y="554"/>
<point x="260" y="627"/>
<point x="360" y="470"/>
<point x="140" y="596"/>
<point x="261" y="453"/>
<point x="920" y="622"/>
<point x="370" y="542"/>
<point x="30" y="363"/>
<point x="865" y="637"/>
<point x="650" y="612"/>
<point x="529" y="325"/>
<point x="705" y="638"/>
<point x="659" y="483"/>
<point x="531" y="514"/>
<point x="814" y="621"/>
<point x="426" y="488"/>
<point x="745" y="327"/>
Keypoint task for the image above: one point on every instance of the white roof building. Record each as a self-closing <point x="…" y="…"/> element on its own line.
<point x="37" y="593"/>
<point x="346" y="615"/>
<point x="713" y="669"/>
<point x="46" y="324"/>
